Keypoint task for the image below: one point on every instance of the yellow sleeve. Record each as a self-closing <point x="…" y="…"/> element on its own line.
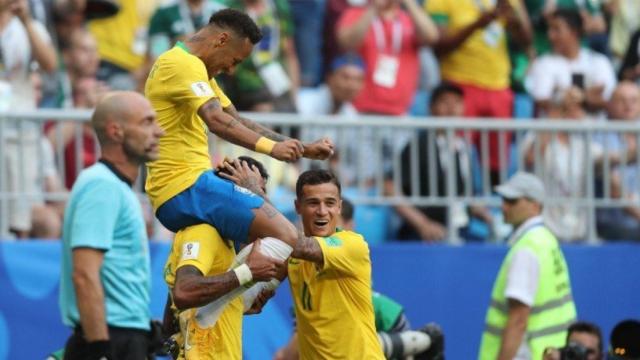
<point x="186" y="81"/>
<point x="345" y="252"/>
<point x="197" y="246"/>
<point x="439" y="10"/>
<point x="224" y="100"/>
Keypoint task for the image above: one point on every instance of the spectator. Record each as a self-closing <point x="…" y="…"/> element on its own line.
<point x="630" y="69"/>
<point x="621" y="223"/>
<point x="330" y="47"/>
<point x="541" y="12"/>
<point x="563" y="159"/>
<point x="387" y="37"/>
<point x="80" y="60"/>
<point x="473" y="54"/>
<point x="570" y="64"/>
<point x="122" y="44"/>
<point x="268" y="80"/>
<point x="429" y="223"/>
<point x="344" y="82"/>
<point x="531" y="302"/>
<point x="624" y="22"/>
<point x="624" y="342"/>
<point x="105" y="283"/>
<point x="80" y="90"/>
<point x="308" y="18"/>
<point x="27" y="158"/>
<point x="580" y="334"/>
<point x="176" y="20"/>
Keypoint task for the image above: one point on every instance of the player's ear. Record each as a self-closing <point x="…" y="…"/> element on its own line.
<point x="297" y="204"/>
<point x="223" y="38"/>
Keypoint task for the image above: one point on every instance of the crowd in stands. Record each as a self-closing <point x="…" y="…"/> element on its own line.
<point x="565" y="60"/>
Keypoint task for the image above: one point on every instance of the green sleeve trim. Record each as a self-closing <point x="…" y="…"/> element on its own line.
<point x="440" y="19"/>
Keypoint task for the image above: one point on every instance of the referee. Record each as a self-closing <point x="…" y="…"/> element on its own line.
<point x="105" y="285"/>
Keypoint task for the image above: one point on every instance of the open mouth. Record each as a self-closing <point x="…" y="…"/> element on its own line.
<point x="321" y="222"/>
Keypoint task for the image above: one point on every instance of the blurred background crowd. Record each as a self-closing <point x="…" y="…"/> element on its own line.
<point x="506" y="60"/>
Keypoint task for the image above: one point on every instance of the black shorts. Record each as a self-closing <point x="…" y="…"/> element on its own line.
<point x="126" y="344"/>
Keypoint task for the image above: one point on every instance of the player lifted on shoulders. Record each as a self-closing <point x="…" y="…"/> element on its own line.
<point x="182" y="187"/>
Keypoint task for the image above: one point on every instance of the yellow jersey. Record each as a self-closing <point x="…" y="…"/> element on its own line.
<point x="201" y="246"/>
<point x="177" y="86"/>
<point x="483" y="58"/>
<point x="334" y="312"/>
<point x="122" y="38"/>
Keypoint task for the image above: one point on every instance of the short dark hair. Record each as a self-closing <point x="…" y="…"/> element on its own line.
<point x="586" y="327"/>
<point x="572" y="18"/>
<point x="316" y="177"/>
<point x="347" y="210"/>
<point x="239" y="22"/>
<point x="251" y="162"/>
<point x="443" y="89"/>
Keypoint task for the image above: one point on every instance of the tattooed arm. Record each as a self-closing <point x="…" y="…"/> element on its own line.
<point x="307" y="248"/>
<point x="233" y="130"/>
<point x="319" y="150"/>
<point x="250" y="124"/>
<point x="193" y="289"/>
<point x="227" y="126"/>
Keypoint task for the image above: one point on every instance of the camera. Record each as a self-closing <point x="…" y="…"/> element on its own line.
<point x="574" y="351"/>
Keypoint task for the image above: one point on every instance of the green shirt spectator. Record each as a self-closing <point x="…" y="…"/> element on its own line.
<point x="273" y="58"/>
<point x="176" y="19"/>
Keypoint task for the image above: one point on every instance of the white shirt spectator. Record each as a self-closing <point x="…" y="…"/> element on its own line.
<point x="18" y="92"/>
<point x="550" y="73"/>
<point x="564" y="167"/>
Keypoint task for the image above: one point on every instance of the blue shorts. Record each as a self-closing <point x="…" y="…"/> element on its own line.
<point x="214" y="201"/>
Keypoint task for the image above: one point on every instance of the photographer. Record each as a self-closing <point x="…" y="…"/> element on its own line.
<point x="584" y="342"/>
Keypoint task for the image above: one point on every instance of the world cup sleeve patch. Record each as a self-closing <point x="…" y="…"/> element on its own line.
<point x="202" y="88"/>
<point x="190" y="250"/>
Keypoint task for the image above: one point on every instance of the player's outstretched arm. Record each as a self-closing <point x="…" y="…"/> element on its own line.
<point x="193" y="289"/>
<point x="232" y="130"/>
<point x="317" y="150"/>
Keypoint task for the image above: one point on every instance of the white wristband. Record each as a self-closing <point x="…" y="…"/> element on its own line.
<point x="243" y="273"/>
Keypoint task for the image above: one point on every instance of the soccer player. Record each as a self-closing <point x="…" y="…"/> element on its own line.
<point x="330" y="277"/>
<point x="197" y="273"/>
<point x="182" y="187"/>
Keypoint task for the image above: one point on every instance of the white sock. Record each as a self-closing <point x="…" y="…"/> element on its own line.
<point x="405" y="343"/>
<point x="208" y="315"/>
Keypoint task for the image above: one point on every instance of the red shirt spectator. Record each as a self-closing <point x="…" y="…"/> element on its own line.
<point x="389" y="49"/>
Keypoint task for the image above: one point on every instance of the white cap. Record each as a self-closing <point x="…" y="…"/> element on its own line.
<point x="522" y="185"/>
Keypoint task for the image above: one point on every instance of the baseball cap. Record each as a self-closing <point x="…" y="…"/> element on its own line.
<point x="625" y="340"/>
<point x="347" y="59"/>
<point x="522" y="185"/>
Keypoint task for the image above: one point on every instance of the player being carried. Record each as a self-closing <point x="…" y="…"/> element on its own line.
<point x="183" y="189"/>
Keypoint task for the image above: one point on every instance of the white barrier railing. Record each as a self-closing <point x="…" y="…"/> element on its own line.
<point x="371" y="158"/>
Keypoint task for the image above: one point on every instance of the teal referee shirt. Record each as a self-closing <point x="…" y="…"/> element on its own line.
<point x="104" y="213"/>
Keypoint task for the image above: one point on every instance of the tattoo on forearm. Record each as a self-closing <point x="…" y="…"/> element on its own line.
<point x="307" y="248"/>
<point x="231" y="123"/>
<point x="199" y="289"/>
<point x="262" y="130"/>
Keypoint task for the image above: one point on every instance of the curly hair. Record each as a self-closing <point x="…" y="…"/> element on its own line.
<point x="239" y="22"/>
